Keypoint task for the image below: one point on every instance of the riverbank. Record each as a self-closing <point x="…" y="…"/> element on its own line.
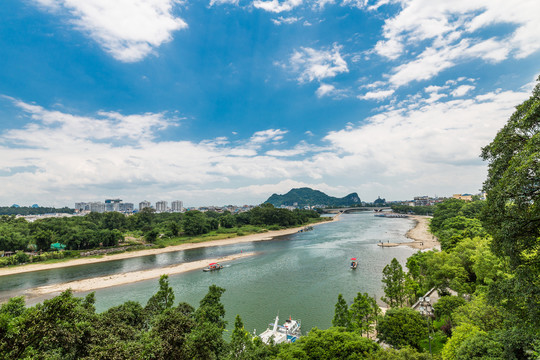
<point x="127" y="255"/>
<point x="130" y="277"/>
<point x="422" y="238"/>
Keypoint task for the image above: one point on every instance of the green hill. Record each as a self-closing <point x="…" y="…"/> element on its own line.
<point x="309" y="197"/>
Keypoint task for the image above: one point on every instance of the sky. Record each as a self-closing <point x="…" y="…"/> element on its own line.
<point x="217" y="102"/>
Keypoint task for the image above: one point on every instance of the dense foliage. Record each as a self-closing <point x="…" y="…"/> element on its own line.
<point x="512" y="211"/>
<point x="490" y="253"/>
<point x="416" y="210"/>
<point x="309" y="197"/>
<point x="108" y="229"/>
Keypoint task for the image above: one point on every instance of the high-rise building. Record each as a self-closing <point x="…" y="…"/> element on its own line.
<point x="97" y="206"/>
<point x="82" y="206"/>
<point x="126" y="207"/>
<point x="112" y="204"/>
<point x="161" y="206"/>
<point x="144" y="204"/>
<point x="177" y="206"/>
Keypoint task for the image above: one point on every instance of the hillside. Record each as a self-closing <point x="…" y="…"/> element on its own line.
<point x="310" y="197"/>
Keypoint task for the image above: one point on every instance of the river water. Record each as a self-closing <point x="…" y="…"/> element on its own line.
<point x="298" y="275"/>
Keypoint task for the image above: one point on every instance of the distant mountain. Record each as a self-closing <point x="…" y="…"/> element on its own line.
<point x="309" y="197"/>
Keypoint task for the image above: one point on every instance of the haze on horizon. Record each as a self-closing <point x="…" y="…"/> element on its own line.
<point x="229" y="101"/>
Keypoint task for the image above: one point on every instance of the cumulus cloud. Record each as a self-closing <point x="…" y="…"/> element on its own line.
<point x="410" y="147"/>
<point x="462" y="90"/>
<point x="376" y="95"/>
<point x="432" y="146"/>
<point x="127" y="29"/>
<point x="222" y="2"/>
<point x="317" y="65"/>
<point x="443" y="34"/>
<point x="325" y="89"/>
<point x="276" y="6"/>
<point x="289" y="20"/>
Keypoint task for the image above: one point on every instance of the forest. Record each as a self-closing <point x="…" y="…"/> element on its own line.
<point x="32" y="240"/>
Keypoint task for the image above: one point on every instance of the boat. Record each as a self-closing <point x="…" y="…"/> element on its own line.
<point x="213" y="267"/>
<point x="354" y="263"/>
<point x="289" y="332"/>
<point x="307" y="228"/>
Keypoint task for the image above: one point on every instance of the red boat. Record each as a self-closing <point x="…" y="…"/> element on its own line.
<point x="213" y="267"/>
<point x="354" y="263"/>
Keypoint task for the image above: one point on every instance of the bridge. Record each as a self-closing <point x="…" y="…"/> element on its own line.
<point x="353" y="209"/>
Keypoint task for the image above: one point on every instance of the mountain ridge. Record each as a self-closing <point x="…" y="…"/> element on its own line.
<point x="306" y="196"/>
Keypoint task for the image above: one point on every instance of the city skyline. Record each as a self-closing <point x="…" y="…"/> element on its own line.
<point x="229" y="101"/>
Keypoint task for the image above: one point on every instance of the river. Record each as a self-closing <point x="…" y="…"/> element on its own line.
<point x="298" y="275"/>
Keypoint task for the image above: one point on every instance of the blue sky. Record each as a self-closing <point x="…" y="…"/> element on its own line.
<point x="226" y="102"/>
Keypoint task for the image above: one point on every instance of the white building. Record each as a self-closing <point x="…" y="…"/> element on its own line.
<point x="144" y="204"/>
<point x="161" y="206"/>
<point x="177" y="206"/>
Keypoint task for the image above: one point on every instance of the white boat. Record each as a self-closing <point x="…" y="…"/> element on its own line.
<point x="286" y="333"/>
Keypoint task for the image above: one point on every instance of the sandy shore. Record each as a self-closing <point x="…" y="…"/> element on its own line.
<point x="126" y="255"/>
<point x="422" y="238"/>
<point x="130" y="277"/>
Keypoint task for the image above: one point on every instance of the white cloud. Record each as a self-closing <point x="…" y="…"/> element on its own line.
<point x="128" y="29"/>
<point x="376" y="95"/>
<point x="222" y="2"/>
<point x="277" y="7"/>
<point x="429" y="148"/>
<point x="319" y="4"/>
<point x="325" y="89"/>
<point x="406" y="150"/>
<point x="330" y="90"/>
<point x="361" y="4"/>
<point x="462" y="90"/>
<point x="444" y="34"/>
<point x="261" y="137"/>
<point x="289" y="20"/>
<point x="318" y="64"/>
<point x="391" y="48"/>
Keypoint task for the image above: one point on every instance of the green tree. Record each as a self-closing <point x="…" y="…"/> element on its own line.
<point x="446" y="305"/>
<point x="333" y="343"/>
<point x="401" y="327"/>
<point x="151" y="235"/>
<point x="44" y="239"/>
<point x="363" y="313"/>
<point x="478" y="313"/>
<point x="480" y="346"/>
<point x="449" y="208"/>
<point x="195" y="223"/>
<point x="459" y="336"/>
<point x="113" y="220"/>
<point x="227" y="221"/>
<point x="58" y="328"/>
<point x="342" y="316"/>
<point x="405" y="353"/>
<point x="206" y="339"/>
<point x="171" y="329"/>
<point x="115" y="332"/>
<point x="512" y="211"/>
<point x="241" y="345"/>
<point x="162" y="299"/>
<point x="393" y="280"/>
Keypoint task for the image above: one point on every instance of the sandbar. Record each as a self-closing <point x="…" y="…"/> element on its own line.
<point x="130" y="277"/>
<point x="422" y="238"/>
<point x="269" y="235"/>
